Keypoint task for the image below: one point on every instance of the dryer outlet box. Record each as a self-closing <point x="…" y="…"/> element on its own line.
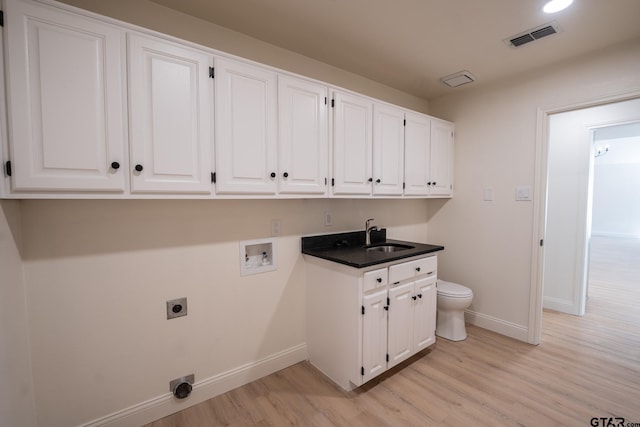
<point x="176" y="308"/>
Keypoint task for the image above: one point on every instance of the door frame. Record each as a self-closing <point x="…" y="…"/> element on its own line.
<point x="534" y="335"/>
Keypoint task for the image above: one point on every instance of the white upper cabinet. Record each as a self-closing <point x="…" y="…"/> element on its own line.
<point x="303" y="148"/>
<point x="246" y="128"/>
<point x="171" y="102"/>
<point x="352" y="145"/>
<point x="428" y="156"/>
<point x="65" y="101"/>
<point x="417" y="145"/>
<point x="441" y="165"/>
<point x="388" y="150"/>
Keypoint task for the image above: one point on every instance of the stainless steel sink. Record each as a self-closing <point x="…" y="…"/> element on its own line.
<point x="388" y="247"/>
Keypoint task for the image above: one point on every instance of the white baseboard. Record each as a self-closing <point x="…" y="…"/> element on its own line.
<point x="161" y="406"/>
<point x="500" y="326"/>
<point x="615" y="235"/>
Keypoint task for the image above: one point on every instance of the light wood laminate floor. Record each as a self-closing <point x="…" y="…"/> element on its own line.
<point x="585" y="367"/>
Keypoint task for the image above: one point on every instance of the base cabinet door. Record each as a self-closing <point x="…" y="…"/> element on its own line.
<point x="374" y="334"/>
<point x="65" y="101"/>
<point x="425" y="310"/>
<point x="400" y="338"/>
<point x="171" y="100"/>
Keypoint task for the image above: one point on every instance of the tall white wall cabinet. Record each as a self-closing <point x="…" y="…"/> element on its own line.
<point x="101" y="109"/>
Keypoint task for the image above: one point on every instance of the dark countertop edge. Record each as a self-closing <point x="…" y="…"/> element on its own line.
<point x="342" y="256"/>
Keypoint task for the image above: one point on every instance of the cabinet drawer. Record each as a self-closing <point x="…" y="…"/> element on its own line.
<point x="374" y="279"/>
<point x="408" y="270"/>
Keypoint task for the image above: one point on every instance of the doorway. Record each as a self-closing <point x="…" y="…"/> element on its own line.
<point x="564" y="183"/>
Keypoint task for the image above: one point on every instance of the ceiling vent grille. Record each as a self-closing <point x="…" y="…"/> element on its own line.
<point x="458" y="79"/>
<point x="533" y="34"/>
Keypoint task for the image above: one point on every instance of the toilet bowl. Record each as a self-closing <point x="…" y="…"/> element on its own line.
<point x="452" y="300"/>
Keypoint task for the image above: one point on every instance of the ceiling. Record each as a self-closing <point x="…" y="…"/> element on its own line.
<point x="411" y="44"/>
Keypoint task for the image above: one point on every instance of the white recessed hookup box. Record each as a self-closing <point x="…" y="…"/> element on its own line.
<point x="258" y="256"/>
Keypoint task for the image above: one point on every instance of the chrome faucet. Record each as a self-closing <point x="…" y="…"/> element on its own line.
<point x="368" y="230"/>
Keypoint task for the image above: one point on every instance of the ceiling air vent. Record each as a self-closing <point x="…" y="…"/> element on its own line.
<point x="458" y="79"/>
<point x="533" y="35"/>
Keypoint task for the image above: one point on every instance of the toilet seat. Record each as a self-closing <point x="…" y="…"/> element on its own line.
<point x="453" y="290"/>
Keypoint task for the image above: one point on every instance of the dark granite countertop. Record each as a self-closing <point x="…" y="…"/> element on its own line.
<point x="349" y="248"/>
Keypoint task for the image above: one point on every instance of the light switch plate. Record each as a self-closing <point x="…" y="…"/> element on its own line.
<point x="524" y="194"/>
<point x="488" y="194"/>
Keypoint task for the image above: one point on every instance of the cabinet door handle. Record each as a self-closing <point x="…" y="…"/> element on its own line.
<point x="273" y="175"/>
<point x="370" y="180"/>
<point x="429" y="184"/>
<point x="379" y="280"/>
<point x="414" y="297"/>
<point x="434" y="183"/>
<point x="286" y="174"/>
<point x="139" y="168"/>
<point x="115" y="165"/>
<point x="431" y="272"/>
<point x="386" y="307"/>
<point x="419" y="295"/>
<point x="418" y="269"/>
<point x="377" y="181"/>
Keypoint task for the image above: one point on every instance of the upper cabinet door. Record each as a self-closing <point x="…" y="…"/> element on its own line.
<point x="171" y="101"/>
<point x="303" y="146"/>
<point x="441" y="183"/>
<point x="246" y="141"/>
<point x="65" y="101"/>
<point x="388" y="150"/>
<point x="352" y="145"/>
<point x="416" y="162"/>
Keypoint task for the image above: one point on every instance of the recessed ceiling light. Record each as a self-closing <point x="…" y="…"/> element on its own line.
<point x="554" y="6"/>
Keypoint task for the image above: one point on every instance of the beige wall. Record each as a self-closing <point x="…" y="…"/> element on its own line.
<point x="489" y="244"/>
<point x="98" y="274"/>
<point x="16" y="387"/>
<point x="159" y="18"/>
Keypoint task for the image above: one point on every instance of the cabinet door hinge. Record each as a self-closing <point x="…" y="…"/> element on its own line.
<point x="404" y="122"/>
<point x="388" y="301"/>
<point x="8" y="167"/>
<point x="541" y="242"/>
<point x="1" y="18"/>
<point x="213" y="177"/>
<point x="333" y="103"/>
<point x="333" y="182"/>
<point x="387" y="357"/>
<point x="212" y="72"/>
<point x="325" y="100"/>
<point x="404" y="185"/>
<point x="362" y="310"/>
<point x="325" y="181"/>
<point x="362" y="371"/>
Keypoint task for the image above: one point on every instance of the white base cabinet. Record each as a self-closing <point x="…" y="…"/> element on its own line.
<point x="361" y="322"/>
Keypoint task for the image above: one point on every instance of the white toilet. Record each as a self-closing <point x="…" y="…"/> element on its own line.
<point x="452" y="300"/>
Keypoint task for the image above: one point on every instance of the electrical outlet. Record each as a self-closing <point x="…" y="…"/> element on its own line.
<point x="176" y="308"/>
<point x="276" y="226"/>
<point x="328" y="218"/>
